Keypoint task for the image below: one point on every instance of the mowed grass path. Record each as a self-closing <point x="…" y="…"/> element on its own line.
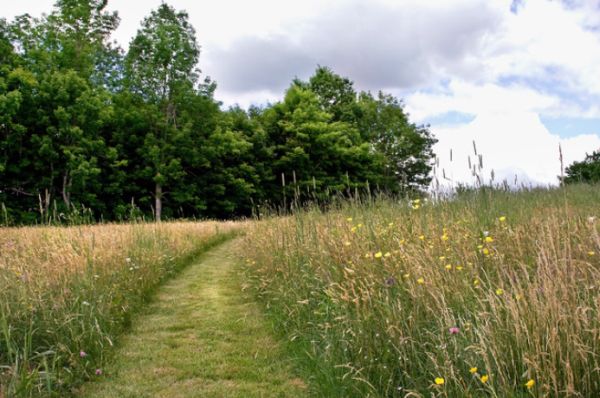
<point x="201" y="337"/>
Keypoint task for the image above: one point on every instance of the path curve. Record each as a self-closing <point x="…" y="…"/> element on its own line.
<point x="200" y="337"/>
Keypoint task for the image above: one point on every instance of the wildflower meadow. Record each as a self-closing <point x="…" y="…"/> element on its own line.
<point x="490" y="293"/>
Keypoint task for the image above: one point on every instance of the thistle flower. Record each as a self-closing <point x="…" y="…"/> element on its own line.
<point x="82" y="354"/>
<point x="454" y="330"/>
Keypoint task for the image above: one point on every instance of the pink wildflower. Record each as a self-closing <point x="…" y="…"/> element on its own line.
<point x="454" y="330"/>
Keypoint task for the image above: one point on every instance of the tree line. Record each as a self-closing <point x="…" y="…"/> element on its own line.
<point x="85" y="124"/>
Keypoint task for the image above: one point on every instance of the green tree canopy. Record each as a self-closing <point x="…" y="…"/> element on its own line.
<point x="161" y="67"/>
<point x="587" y="170"/>
<point x="84" y="125"/>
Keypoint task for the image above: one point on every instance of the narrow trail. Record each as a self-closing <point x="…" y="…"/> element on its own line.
<point x="200" y="337"/>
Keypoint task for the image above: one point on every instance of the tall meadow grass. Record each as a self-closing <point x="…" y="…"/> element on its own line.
<point x="493" y="293"/>
<point x="66" y="293"/>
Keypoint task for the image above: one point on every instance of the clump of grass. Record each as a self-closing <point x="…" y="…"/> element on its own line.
<point x="493" y="293"/>
<point x="66" y="293"/>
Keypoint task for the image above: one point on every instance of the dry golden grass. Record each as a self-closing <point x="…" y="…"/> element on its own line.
<point x="68" y="290"/>
<point x="43" y="254"/>
<point x="493" y="294"/>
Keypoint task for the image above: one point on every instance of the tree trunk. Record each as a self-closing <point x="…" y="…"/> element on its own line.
<point x="66" y="189"/>
<point x="158" y="202"/>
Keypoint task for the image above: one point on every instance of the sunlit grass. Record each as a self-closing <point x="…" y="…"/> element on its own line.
<point x="494" y="293"/>
<point x="66" y="293"/>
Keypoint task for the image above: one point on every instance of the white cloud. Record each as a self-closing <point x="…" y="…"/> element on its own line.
<point x="510" y="143"/>
<point x="547" y="40"/>
<point x="465" y="97"/>
<point x="245" y="100"/>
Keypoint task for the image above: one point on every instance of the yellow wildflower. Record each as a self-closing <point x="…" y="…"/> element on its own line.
<point x="349" y="219"/>
<point x="459" y="267"/>
<point x="353" y="229"/>
<point x="530" y="383"/>
<point x="442" y="258"/>
<point x="448" y="267"/>
<point x="378" y="255"/>
<point x="484" y="379"/>
<point x="346" y="243"/>
<point x="480" y="247"/>
<point x="420" y="281"/>
<point x="475" y="282"/>
<point x="486" y="251"/>
<point x="422" y="237"/>
<point x="391" y="224"/>
<point x="387" y="254"/>
<point x="499" y="292"/>
<point x="591" y="253"/>
<point x="406" y="275"/>
<point x="489" y="239"/>
<point x="417" y="201"/>
<point x="416" y="207"/>
<point x="473" y="370"/>
<point x="502" y="218"/>
<point x="439" y="381"/>
<point x="444" y="237"/>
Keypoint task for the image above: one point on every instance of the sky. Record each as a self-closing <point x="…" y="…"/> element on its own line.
<point x="518" y="78"/>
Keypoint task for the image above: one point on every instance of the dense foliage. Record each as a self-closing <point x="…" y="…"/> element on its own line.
<point x="85" y="125"/>
<point x="587" y="170"/>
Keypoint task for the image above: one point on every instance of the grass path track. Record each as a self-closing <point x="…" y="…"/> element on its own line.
<point x="200" y="337"/>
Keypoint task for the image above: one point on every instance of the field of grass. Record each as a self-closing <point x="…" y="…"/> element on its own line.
<point x="492" y="294"/>
<point x="66" y="293"/>
<point x="200" y="337"/>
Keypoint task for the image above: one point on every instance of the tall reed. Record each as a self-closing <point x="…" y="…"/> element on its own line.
<point x="493" y="293"/>
<point x="66" y="293"/>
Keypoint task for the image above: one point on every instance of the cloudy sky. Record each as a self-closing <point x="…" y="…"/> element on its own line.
<point x="518" y="77"/>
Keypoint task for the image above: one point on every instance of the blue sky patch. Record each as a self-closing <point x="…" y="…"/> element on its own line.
<point x="451" y="118"/>
<point x="571" y="126"/>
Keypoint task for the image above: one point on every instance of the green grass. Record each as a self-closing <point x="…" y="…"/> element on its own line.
<point x="201" y="336"/>
<point x="367" y="294"/>
<point x="64" y="291"/>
